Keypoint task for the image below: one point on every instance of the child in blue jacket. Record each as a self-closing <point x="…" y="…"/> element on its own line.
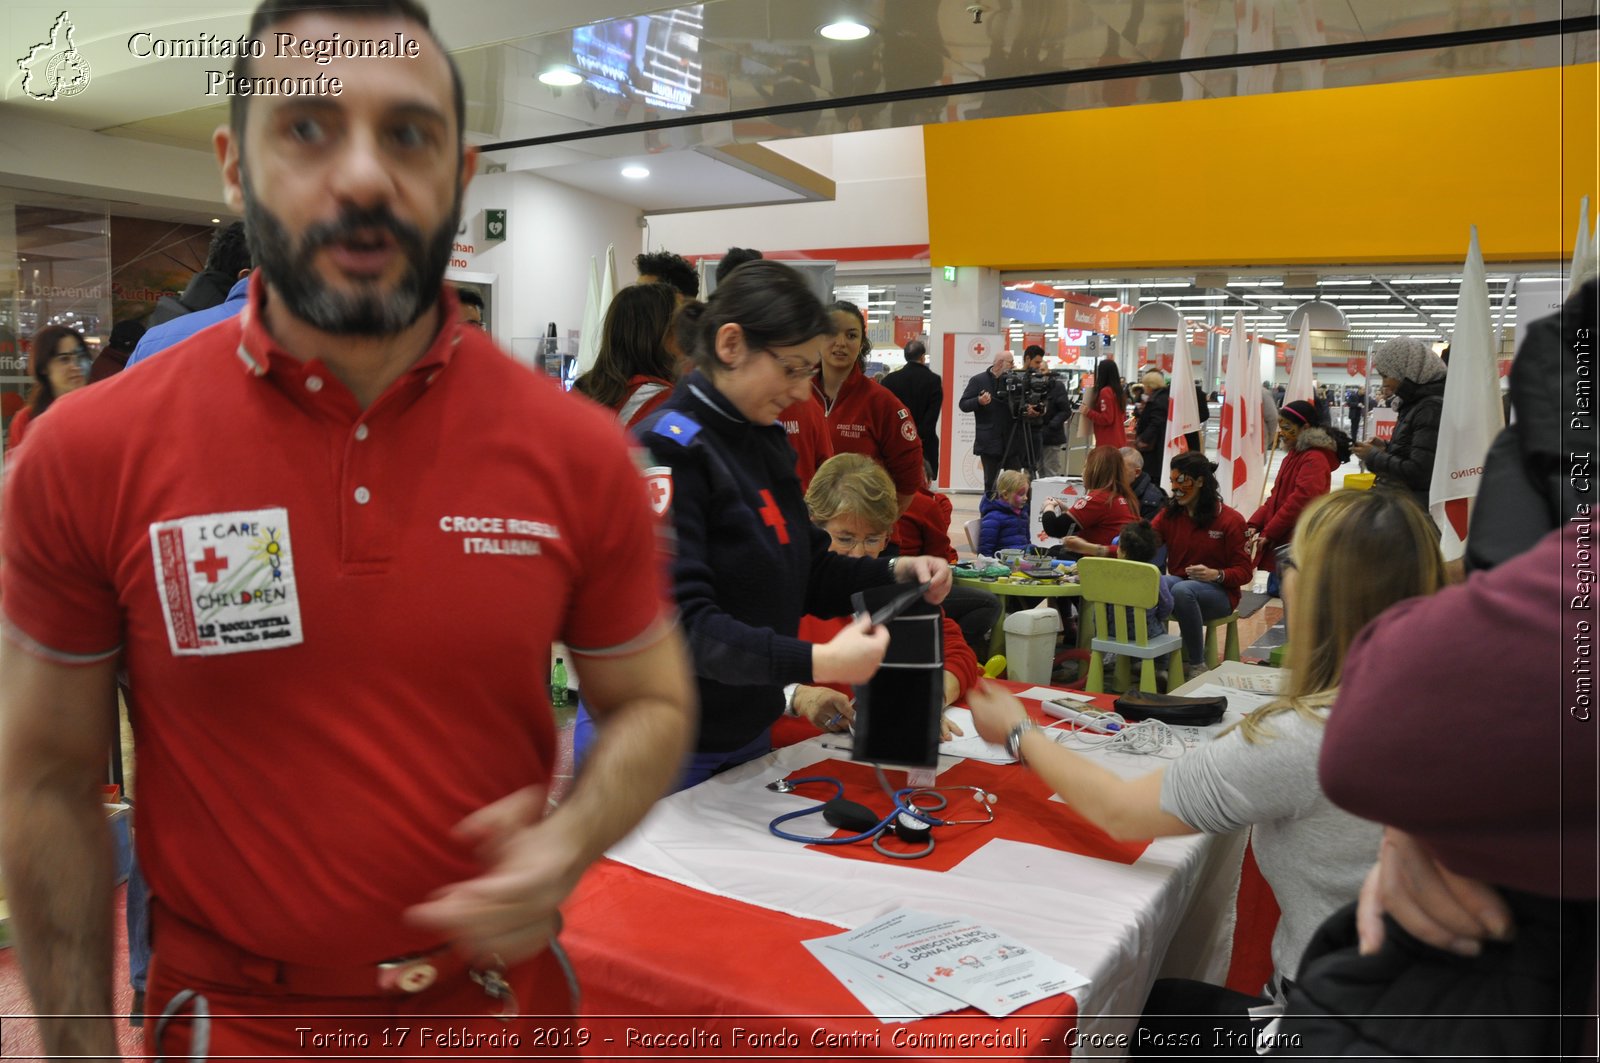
<point x="1003" y="519"/>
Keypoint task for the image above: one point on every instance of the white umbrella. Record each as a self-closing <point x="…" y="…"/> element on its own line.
<point x="1471" y="416"/>
<point x="1183" y="413"/>
<point x="1239" y="465"/>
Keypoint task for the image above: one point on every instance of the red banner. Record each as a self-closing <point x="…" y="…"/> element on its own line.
<point x="1357" y="366"/>
<point x="1032" y="339"/>
<point x="906" y="329"/>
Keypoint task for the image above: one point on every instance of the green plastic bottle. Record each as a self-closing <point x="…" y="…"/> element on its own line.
<point x="558" y="685"/>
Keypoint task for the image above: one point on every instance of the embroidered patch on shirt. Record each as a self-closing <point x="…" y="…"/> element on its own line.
<point x="226" y="582"/>
<point x="658" y="487"/>
<point x="909" y="430"/>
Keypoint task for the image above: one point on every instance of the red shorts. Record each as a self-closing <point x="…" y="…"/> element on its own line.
<point x="252" y="1016"/>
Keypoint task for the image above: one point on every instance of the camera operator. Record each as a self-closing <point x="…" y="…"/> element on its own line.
<point x="985" y="399"/>
<point x="1039" y="406"/>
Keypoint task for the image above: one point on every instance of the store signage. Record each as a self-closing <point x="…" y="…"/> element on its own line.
<point x="1383" y="422"/>
<point x="1025" y="306"/>
<point x="906" y="329"/>
<point x="1357" y="366"/>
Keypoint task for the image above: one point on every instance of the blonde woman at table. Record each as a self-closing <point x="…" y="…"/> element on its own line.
<point x="1355" y="553"/>
<point x="852" y="498"/>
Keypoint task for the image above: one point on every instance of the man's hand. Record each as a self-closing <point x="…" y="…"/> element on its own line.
<point x="530" y="866"/>
<point x="995" y="711"/>
<point x="825" y="707"/>
<point x="934" y="571"/>
<point x="985" y="397"/>
<point x="851" y="656"/>
<point x="1434" y="905"/>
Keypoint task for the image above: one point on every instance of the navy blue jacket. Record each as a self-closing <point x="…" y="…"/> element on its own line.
<point x="749" y="563"/>
<point x="1000" y="527"/>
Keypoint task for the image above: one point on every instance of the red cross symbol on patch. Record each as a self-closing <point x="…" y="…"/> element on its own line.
<point x="210" y="565"/>
<point x="772" y="517"/>
<point x="658" y="488"/>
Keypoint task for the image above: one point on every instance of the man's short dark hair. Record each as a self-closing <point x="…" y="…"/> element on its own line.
<point x="736" y="257"/>
<point x="229" y="253"/>
<point x="470" y="297"/>
<point x="1033" y="350"/>
<point x="272" y="12"/>
<point x="916" y="351"/>
<point x="669" y="268"/>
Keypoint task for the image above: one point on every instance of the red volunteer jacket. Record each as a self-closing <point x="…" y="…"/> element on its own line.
<point x="1219" y="545"/>
<point x="924" y="528"/>
<point x="867" y="419"/>
<point x="808" y="435"/>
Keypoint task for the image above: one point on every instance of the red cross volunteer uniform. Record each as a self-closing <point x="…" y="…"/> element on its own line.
<point x="337" y="626"/>
<point x="867" y="419"/>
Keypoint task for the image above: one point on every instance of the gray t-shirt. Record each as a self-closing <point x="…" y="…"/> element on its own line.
<point x="1312" y="854"/>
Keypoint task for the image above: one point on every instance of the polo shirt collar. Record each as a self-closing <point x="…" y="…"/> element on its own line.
<point x="257" y="349"/>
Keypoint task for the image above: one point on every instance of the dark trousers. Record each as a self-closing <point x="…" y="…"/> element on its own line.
<point x="976" y="612"/>
<point x="992" y="464"/>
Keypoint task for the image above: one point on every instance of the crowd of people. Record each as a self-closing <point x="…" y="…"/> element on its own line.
<point x="729" y="479"/>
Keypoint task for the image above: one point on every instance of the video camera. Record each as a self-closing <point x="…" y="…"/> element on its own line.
<point x="1023" y="388"/>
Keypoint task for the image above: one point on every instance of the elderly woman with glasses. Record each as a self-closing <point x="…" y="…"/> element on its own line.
<point x="747" y="562"/>
<point x="60" y="364"/>
<point x="852" y="498"/>
<point x="1207" y="560"/>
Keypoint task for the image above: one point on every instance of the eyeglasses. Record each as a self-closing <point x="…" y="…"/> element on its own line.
<point x="802" y="371"/>
<point x="80" y="356"/>
<point x="850" y="542"/>
<point x="1183" y="478"/>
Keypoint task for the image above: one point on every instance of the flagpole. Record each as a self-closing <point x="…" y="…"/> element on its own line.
<point x="1264" y="477"/>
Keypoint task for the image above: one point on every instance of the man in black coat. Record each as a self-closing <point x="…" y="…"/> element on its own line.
<point x="985" y="399"/>
<point x="1150" y="428"/>
<point x="921" y="391"/>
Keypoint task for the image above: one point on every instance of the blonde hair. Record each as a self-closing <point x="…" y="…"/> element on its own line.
<point x="1009" y="482"/>
<point x="1356" y="553"/>
<point x="853" y="485"/>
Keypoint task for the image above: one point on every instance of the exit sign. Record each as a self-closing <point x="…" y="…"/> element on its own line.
<point x="950" y="274"/>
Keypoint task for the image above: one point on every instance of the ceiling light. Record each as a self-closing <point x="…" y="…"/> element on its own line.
<point x="216" y="221"/>
<point x="1324" y="317"/>
<point x="559" y="77"/>
<point x="844" y="30"/>
<point x="635" y="173"/>
<point x="1156" y="317"/>
<point x="1255" y="284"/>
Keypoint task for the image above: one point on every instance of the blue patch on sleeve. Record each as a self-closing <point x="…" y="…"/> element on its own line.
<point x="676" y="427"/>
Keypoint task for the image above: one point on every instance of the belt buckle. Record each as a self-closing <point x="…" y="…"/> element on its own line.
<point x="412" y="974"/>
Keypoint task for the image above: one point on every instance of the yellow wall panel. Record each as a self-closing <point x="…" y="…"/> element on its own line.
<point x="1375" y="174"/>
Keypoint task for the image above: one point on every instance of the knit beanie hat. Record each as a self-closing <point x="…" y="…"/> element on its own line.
<point x="1300" y="412"/>
<point x="1407" y="358"/>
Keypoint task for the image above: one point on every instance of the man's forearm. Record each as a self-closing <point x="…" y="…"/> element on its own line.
<point x="637" y="755"/>
<point x="56" y="853"/>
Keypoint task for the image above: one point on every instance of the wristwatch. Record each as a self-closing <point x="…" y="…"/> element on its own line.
<point x="1014" y="739"/>
<point x="892" y="562"/>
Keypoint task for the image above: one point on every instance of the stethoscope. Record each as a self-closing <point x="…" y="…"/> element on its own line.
<point x="911" y="819"/>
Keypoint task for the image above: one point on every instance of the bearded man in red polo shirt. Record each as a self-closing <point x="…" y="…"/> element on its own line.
<point x="333" y="567"/>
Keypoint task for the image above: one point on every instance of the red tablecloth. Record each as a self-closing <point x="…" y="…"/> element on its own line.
<point x="706" y="974"/>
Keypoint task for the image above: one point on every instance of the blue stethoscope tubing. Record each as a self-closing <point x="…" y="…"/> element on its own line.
<point x="902" y="806"/>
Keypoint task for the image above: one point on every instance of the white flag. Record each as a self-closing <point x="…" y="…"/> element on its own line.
<point x="1471" y="416"/>
<point x="1240" y="472"/>
<point x="593" y="315"/>
<point x="1584" y="253"/>
<point x="1183" y="413"/>
<point x="1302" y="382"/>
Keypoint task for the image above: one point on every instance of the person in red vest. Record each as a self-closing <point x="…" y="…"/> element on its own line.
<point x="636" y="368"/>
<point x="1306" y="473"/>
<point x="1090" y="525"/>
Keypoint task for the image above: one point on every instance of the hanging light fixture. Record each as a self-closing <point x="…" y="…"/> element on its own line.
<point x="1156" y="317"/>
<point x="1325" y="317"/>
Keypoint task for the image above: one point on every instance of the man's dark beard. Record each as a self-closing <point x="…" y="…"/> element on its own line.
<point x="369" y="312"/>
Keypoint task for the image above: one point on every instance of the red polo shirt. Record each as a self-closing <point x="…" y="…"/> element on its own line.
<point x="867" y="419"/>
<point x="1219" y="545"/>
<point x="336" y="622"/>
<point x="1101" y="516"/>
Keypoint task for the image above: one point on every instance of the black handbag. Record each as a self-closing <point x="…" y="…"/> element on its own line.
<point x="1170" y="709"/>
